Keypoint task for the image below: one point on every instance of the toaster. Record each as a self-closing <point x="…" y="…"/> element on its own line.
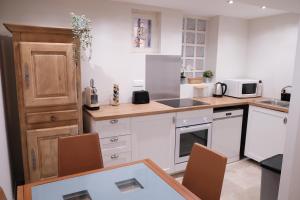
<point x="140" y="97"/>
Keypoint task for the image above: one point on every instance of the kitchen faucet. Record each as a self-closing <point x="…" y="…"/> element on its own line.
<point x="284" y="89"/>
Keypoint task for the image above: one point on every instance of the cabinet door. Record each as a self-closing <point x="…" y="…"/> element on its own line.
<point x="49" y="74"/>
<point x="42" y="150"/>
<point x="154" y="138"/>
<point x="266" y="133"/>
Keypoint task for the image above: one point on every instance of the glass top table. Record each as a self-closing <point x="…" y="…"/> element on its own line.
<point x="133" y="182"/>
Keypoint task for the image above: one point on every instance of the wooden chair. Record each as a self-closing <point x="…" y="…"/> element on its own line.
<point x="78" y="154"/>
<point x="2" y="195"/>
<point x="205" y="173"/>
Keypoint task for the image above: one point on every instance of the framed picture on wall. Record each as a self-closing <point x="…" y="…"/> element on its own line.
<point x="142" y="33"/>
<point x="145" y="31"/>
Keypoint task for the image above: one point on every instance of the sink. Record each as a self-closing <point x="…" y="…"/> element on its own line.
<point x="276" y="102"/>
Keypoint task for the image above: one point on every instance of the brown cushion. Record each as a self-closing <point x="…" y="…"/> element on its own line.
<point x="205" y="173"/>
<point x="2" y="195"/>
<point x="78" y="154"/>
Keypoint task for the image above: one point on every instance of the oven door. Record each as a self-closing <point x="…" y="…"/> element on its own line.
<point x="187" y="136"/>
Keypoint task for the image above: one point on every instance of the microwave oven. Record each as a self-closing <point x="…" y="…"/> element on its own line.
<point x="242" y="88"/>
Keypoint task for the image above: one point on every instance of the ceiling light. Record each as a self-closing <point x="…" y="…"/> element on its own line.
<point x="230" y="1"/>
<point x="263" y="7"/>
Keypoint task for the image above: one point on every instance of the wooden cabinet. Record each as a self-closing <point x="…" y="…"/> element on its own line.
<point x="266" y="133"/>
<point x="49" y="74"/>
<point x="48" y="95"/>
<point x="42" y="150"/>
<point x="154" y="138"/>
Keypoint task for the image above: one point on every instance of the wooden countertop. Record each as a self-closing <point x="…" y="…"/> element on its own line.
<point x="107" y="112"/>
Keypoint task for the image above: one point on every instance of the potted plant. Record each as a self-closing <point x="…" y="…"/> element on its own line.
<point x="208" y="74"/>
<point x="81" y="28"/>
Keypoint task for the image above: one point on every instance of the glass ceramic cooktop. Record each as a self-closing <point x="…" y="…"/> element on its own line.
<point x="178" y="103"/>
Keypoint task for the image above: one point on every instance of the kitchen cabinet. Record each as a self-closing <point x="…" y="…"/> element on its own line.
<point x="154" y="138"/>
<point x="43" y="149"/>
<point x="115" y="139"/>
<point x="266" y="133"/>
<point x="49" y="73"/>
<point x="46" y="83"/>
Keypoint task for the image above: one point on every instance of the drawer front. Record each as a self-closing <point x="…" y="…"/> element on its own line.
<point x="111" y="128"/>
<point x="51" y="117"/>
<point x="122" y="143"/>
<point x="116" y="158"/>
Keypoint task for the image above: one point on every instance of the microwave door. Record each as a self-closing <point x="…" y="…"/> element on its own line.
<point x="249" y="89"/>
<point x="187" y="136"/>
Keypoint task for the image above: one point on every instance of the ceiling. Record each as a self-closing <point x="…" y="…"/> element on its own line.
<point x="241" y="8"/>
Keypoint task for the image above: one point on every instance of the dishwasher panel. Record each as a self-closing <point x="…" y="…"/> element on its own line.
<point x="226" y="133"/>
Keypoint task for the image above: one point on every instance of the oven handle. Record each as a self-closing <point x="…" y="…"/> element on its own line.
<point x="194" y="128"/>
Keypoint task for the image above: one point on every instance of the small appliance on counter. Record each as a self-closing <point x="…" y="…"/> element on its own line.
<point x="115" y="101"/>
<point x="220" y="89"/>
<point x="243" y="88"/>
<point x="285" y="96"/>
<point x="91" y="97"/>
<point x="140" y="97"/>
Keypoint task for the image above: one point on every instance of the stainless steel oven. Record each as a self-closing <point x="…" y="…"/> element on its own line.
<point x="188" y="132"/>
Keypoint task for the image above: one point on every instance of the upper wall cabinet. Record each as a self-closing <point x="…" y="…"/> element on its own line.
<point x="49" y="75"/>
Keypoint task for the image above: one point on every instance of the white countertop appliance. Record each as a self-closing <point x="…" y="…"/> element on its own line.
<point x="242" y="88"/>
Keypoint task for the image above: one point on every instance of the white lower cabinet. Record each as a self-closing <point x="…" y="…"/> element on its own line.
<point x="115" y="139"/>
<point x="266" y="133"/>
<point x="153" y="137"/>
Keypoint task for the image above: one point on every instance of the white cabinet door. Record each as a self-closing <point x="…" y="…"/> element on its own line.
<point x="266" y="133"/>
<point x="154" y="138"/>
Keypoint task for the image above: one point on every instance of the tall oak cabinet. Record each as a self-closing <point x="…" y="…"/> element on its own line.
<point x="48" y="92"/>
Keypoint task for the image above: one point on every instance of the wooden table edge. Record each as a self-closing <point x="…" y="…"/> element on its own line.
<point x="184" y="192"/>
<point x="179" y="188"/>
<point x="20" y="192"/>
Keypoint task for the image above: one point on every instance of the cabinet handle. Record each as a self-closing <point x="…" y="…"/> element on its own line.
<point x="114" y="156"/>
<point x="285" y="120"/>
<point x="115" y="139"/>
<point x="26" y="75"/>
<point x="33" y="159"/>
<point x="114" y="121"/>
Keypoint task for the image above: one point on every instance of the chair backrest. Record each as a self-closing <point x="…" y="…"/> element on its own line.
<point x="205" y="173"/>
<point x="78" y="154"/>
<point x="2" y="195"/>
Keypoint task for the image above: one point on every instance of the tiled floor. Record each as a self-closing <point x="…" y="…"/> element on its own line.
<point x="241" y="182"/>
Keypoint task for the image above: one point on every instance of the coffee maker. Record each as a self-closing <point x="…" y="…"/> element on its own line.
<point x="91" y="97"/>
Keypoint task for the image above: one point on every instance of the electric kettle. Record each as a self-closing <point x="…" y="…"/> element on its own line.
<point x="220" y="89"/>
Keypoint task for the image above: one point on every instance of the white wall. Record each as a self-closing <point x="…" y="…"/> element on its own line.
<point x="212" y="38"/>
<point x="226" y="52"/>
<point x="113" y="59"/>
<point x="290" y="176"/>
<point x="271" y="51"/>
<point x="5" y="178"/>
<point x="232" y="48"/>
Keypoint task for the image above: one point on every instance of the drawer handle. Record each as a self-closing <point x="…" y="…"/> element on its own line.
<point x="53" y="118"/>
<point x="114" y="121"/>
<point x="114" y="156"/>
<point x="115" y="139"/>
